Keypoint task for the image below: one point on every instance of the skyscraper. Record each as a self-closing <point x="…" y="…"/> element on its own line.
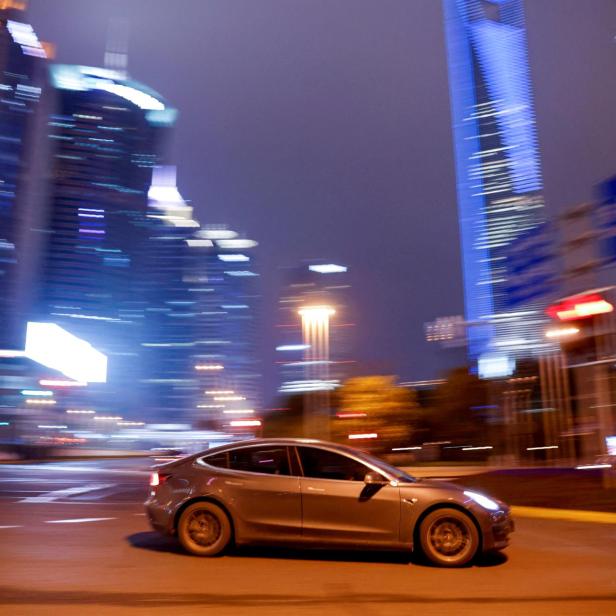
<point x="224" y="288"/>
<point x="23" y="65"/>
<point x="498" y="170"/>
<point x="169" y="328"/>
<point x="306" y="361"/>
<point x="107" y="134"/>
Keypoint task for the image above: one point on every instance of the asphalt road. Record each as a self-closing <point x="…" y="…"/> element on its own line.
<point x="73" y="539"/>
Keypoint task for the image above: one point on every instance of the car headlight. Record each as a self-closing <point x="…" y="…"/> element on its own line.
<point x="484" y="501"/>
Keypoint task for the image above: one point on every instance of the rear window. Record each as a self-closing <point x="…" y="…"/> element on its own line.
<point x="219" y="460"/>
<point x="271" y="460"/>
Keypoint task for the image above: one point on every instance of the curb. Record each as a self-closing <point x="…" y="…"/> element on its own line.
<point x="569" y="515"/>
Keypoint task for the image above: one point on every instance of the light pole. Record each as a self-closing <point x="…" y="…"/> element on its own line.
<point x="315" y="334"/>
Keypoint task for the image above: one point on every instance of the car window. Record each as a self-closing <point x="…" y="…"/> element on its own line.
<point x="217" y="459"/>
<point x="272" y="460"/>
<point x="324" y="464"/>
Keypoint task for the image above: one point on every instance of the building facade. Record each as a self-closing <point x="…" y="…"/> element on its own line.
<point x="23" y="79"/>
<point x="498" y="170"/>
<point x="223" y="283"/>
<point x="107" y="133"/>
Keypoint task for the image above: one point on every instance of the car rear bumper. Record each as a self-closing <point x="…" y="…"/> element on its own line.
<point x="159" y="517"/>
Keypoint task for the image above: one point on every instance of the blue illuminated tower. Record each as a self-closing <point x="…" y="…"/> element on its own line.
<point x="498" y="170"/>
<point x="106" y="133"/>
<point x="23" y="66"/>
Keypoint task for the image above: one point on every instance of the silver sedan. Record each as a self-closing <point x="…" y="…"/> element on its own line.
<point x="316" y="494"/>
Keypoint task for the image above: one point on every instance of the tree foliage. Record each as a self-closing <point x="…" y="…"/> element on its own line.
<point x="375" y="404"/>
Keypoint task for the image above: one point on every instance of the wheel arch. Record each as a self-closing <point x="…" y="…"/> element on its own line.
<point x="203" y="499"/>
<point x="445" y="505"/>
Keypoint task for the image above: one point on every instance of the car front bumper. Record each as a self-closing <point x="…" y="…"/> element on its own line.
<point x="497" y="534"/>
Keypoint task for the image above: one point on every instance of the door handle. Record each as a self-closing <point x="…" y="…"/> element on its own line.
<point x="311" y="489"/>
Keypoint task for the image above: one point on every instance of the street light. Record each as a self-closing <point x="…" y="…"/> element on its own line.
<point x="315" y="333"/>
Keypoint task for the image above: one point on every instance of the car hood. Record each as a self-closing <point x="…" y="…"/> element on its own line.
<point x="434" y="483"/>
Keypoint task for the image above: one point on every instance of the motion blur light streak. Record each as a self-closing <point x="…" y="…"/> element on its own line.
<point x="36" y="392"/>
<point x="588" y="467"/>
<point x="561" y="332"/>
<point x="209" y="367"/>
<point x="363" y="436"/>
<point x="327" y="268"/>
<point x="245" y="423"/>
<point x="61" y="383"/>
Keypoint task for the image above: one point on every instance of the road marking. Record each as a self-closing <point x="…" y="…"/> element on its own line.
<point x="77" y="520"/>
<point x="11" y="526"/>
<point x="49" y="497"/>
<point x="571" y="515"/>
<point x="75" y="469"/>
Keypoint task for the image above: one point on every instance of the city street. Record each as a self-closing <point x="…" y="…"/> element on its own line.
<point x="74" y="539"/>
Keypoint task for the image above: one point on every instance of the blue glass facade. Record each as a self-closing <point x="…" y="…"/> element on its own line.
<point x="23" y="67"/>
<point x="498" y="169"/>
<point x="106" y="135"/>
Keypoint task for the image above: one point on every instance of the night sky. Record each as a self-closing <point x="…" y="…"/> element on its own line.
<point x="321" y="128"/>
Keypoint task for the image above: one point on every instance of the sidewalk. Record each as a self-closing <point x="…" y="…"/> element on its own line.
<point x="552" y="488"/>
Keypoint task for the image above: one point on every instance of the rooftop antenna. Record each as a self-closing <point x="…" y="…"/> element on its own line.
<point x="116" y="51"/>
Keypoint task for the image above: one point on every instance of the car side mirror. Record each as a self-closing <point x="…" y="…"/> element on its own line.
<point x="373" y="478"/>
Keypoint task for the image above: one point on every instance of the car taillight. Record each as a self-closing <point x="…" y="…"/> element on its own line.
<point x="157" y="479"/>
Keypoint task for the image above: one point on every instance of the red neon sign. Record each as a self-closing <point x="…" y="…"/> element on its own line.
<point x="580" y="307"/>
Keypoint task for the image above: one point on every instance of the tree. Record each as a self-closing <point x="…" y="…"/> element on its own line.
<point x="459" y="407"/>
<point x="375" y="405"/>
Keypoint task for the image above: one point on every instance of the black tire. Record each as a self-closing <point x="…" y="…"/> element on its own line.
<point x="204" y="529"/>
<point x="448" y="538"/>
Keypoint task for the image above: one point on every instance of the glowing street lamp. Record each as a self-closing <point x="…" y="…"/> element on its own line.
<point x="316" y="313"/>
<point x="315" y="334"/>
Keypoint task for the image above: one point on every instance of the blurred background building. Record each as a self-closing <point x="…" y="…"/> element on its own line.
<point x="303" y="368"/>
<point x="498" y="169"/>
<point x="107" y="135"/>
<point x="224" y="289"/>
<point x="23" y="79"/>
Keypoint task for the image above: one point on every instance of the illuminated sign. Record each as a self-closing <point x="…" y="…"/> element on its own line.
<point x="54" y="347"/>
<point x="580" y="307"/>
<point x="327" y="268"/>
<point x="493" y="365"/>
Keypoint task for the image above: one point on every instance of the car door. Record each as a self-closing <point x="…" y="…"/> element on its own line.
<point x="338" y="507"/>
<point x="263" y="494"/>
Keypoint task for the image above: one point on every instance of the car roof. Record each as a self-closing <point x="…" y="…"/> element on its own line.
<point x="344" y="449"/>
<point x="274" y="441"/>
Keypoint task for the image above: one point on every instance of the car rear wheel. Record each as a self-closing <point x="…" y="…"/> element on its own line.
<point x="204" y="529"/>
<point x="448" y="537"/>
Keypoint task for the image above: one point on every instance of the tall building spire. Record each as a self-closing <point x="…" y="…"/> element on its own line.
<point x="116" y="51"/>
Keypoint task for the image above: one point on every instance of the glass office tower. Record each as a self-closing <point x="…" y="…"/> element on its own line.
<point x="498" y="170"/>
<point x="23" y="65"/>
<point x="107" y="133"/>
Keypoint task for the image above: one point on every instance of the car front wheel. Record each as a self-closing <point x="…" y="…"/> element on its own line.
<point x="204" y="529"/>
<point x="448" y="537"/>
